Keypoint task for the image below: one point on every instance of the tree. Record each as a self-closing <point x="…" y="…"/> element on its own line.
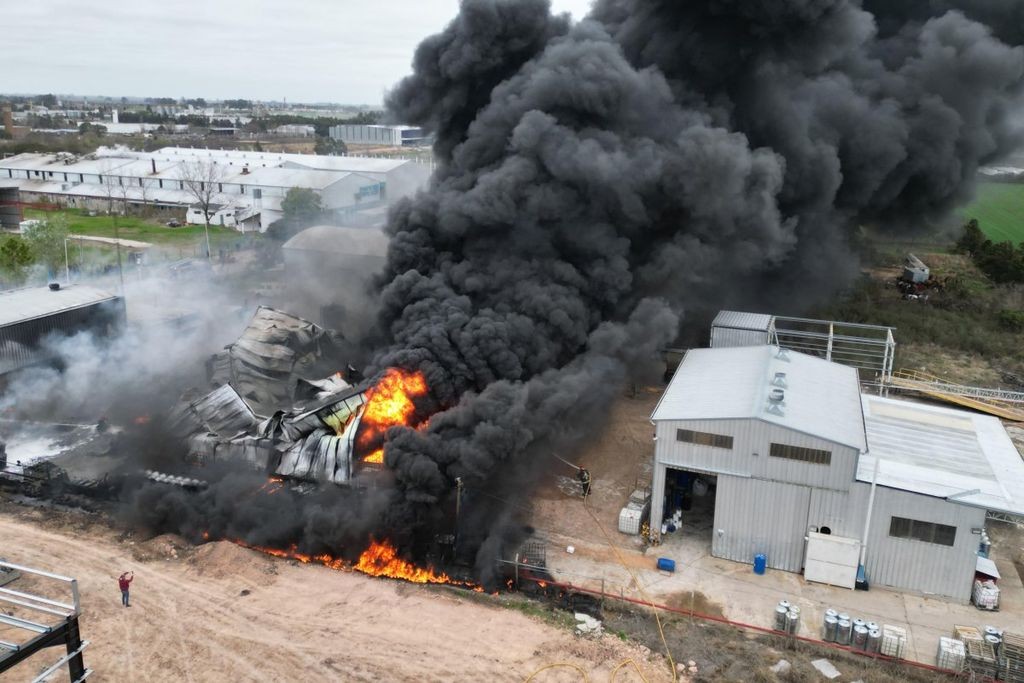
<point x="86" y="128"/>
<point x="202" y="180"/>
<point x="15" y="258"/>
<point x="330" y="146"/>
<point x="300" y="208"/>
<point x="47" y="241"/>
<point x="972" y="239"/>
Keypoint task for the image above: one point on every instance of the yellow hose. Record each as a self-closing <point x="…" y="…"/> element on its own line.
<point x="559" y="664"/>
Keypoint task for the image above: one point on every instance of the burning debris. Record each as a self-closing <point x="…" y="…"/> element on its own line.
<point x="596" y="181"/>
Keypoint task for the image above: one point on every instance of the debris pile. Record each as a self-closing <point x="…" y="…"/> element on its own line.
<point x="269" y="411"/>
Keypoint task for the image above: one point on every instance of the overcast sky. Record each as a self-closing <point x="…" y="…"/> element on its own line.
<point x="345" y="51"/>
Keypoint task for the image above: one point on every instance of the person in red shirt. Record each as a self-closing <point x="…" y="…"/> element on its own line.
<point x="123" y="582"/>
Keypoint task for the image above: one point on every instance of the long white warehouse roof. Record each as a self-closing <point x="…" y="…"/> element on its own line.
<point x="942" y="452"/>
<point x="822" y="399"/>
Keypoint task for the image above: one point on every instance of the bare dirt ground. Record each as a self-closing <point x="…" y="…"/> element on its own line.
<point x="219" y="612"/>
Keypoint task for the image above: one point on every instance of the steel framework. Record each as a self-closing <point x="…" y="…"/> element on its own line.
<point x="869" y="348"/>
<point x="58" y="627"/>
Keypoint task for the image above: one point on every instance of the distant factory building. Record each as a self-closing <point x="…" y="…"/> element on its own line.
<point x="294" y="130"/>
<point x="384" y="136"/>
<point x="252" y="184"/>
<point x="819" y="479"/>
<point x="30" y="316"/>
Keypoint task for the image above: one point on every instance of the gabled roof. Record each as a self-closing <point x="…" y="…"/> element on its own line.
<point x="821" y="398"/>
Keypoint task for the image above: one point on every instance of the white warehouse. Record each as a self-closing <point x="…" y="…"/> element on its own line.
<point x="249" y="185"/>
<point x="820" y="478"/>
<point x="385" y="136"/>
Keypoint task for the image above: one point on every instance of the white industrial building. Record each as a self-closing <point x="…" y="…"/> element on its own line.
<point x="385" y="136"/>
<point x="821" y="479"/>
<point x="251" y="184"/>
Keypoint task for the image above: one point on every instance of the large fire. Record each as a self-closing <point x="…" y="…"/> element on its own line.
<point x="390" y="403"/>
<point x="380" y="559"/>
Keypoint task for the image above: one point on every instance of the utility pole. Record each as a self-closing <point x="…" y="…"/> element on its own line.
<point x="117" y="247"/>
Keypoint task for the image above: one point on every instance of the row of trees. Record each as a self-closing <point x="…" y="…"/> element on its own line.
<point x="1003" y="262"/>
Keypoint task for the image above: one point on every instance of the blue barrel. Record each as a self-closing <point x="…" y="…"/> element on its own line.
<point x="760" y="563"/>
<point x="666" y="565"/>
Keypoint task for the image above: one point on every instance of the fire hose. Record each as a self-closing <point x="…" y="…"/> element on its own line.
<point x="636" y="581"/>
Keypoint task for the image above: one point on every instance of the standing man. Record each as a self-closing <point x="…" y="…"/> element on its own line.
<point x="123" y="582"/>
<point x="584" y="477"/>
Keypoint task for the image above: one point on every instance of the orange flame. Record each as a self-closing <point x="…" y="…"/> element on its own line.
<point x="389" y="403"/>
<point x="380" y="559"/>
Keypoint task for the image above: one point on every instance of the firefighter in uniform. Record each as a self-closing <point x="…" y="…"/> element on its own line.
<point x="584" y="476"/>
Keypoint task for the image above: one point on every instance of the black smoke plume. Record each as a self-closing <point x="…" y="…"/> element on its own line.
<point x="597" y="181"/>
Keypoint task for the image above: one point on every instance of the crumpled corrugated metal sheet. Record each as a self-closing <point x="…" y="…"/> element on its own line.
<point x="260" y="453"/>
<point x="267" y="360"/>
<point x="222" y="412"/>
<point x="321" y="456"/>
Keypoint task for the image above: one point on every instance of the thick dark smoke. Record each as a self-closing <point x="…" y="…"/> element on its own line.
<point x="599" y="180"/>
<point x="657" y="158"/>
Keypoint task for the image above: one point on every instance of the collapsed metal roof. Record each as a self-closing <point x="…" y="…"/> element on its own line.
<point x="266" y="362"/>
<point x="311" y="429"/>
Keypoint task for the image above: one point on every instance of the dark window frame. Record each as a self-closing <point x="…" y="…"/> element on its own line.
<point x="704" y="439"/>
<point x="813" y="456"/>
<point x="919" y="530"/>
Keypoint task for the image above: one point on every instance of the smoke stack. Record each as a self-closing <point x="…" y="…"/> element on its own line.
<point x="8" y="120"/>
<point x="113" y="116"/>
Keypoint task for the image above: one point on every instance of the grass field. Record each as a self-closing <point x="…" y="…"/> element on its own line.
<point x="999" y="208"/>
<point x="132" y="228"/>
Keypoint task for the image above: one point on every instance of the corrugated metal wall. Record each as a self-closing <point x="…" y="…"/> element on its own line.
<point x="756" y="516"/>
<point x="832" y="509"/>
<point x="19" y="342"/>
<point x="725" y="337"/>
<point x="916" y="565"/>
<point x="752" y="436"/>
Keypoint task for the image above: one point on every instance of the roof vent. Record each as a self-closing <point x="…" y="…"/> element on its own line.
<point x="780" y="380"/>
<point x="776" y="395"/>
<point x="54" y="286"/>
<point x="782" y="354"/>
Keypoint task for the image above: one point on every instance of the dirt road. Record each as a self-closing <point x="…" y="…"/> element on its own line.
<point x="220" y="612"/>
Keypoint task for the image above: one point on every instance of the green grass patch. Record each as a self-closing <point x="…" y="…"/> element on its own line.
<point x="999" y="208"/>
<point x="134" y="228"/>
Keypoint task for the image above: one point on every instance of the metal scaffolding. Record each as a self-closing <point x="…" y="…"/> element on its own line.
<point x="22" y="636"/>
<point x="869" y="348"/>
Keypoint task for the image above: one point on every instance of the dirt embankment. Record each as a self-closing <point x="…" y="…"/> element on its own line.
<point x="220" y="612"/>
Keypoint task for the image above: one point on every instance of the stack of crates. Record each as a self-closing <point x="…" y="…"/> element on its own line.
<point x="981" y="659"/>
<point x="951" y="655"/>
<point x="894" y="641"/>
<point x="1011" y="658"/>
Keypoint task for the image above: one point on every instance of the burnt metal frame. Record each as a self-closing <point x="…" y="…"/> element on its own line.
<point x="65" y="631"/>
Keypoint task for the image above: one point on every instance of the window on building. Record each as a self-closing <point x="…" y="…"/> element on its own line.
<point x="929" y="532"/>
<point x="812" y="455"/>
<point x="704" y="438"/>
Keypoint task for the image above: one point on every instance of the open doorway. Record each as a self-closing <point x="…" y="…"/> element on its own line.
<point x="689" y="515"/>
